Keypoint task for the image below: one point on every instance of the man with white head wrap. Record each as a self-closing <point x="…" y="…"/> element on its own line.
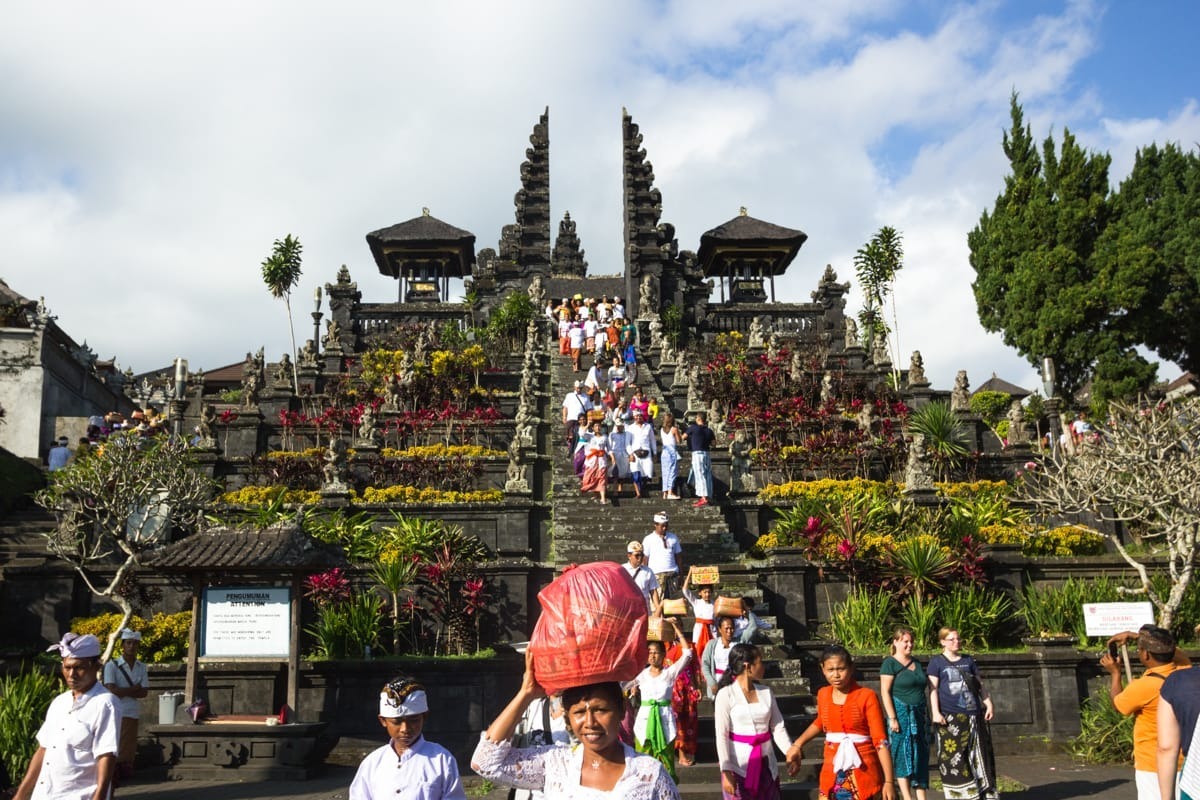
<point x="77" y="744"/>
<point x="407" y="766"/>
<point x="126" y="678"/>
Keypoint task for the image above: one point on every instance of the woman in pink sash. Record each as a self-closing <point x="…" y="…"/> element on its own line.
<point x="747" y="721"/>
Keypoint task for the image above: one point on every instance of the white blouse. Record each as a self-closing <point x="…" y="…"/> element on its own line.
<point x="557" y="770"/>
<point x="733" y="714"/>
<point x="658" y="687"/>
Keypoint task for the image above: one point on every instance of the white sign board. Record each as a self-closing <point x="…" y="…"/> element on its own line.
<point x="246" y="622"/>
<point x="1109" y="619"/>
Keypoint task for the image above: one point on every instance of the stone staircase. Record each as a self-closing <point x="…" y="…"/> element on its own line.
<point x="23" y="537"/>
<point x="585" y="531"/>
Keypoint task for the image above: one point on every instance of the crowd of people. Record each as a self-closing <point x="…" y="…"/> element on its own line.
<point x="148" y="422"/>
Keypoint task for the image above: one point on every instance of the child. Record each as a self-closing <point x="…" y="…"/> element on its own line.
<point x="408" y="765"/>
<point x="702" y="609"/>
<point x="857" y="762"/>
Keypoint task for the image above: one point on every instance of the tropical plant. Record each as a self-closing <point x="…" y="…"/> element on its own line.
<point x="164" y="636"/>
<point x="862" y="621"/>
<point x="992" y="407"/>
<point x="920" y="615"/>
<point x="876" y="265"/>
<point x="944" y="435"/>
<point x="1050" y="610"/>
<point x="1105" y="734"/>
<point x="919" y="564"/>
<point x="281" y="273"/>
<point x="395" y="574"/>
<point x="976" y="612"/>
<point x="24" y="699"/>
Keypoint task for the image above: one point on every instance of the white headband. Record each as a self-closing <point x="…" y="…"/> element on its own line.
<point x="415" y="703"/>
<point x="75" y="646"/>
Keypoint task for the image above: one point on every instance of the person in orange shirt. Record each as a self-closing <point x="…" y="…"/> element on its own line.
<point x="1156" y="650"/>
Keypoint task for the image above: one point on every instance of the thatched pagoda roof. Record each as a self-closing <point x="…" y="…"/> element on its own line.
<point x="284" y="548"/>
<point x="745" y="237"/>
<point x="423" y="239"/>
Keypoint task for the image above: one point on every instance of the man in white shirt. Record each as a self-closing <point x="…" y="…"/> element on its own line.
<point x="618" y="309"/>
<point x="126" y="678"/>
<point x="642" y="576"/>
<point x="77" y="744"/>
<point x="59" y="455"/>
<point x="574" y="404"/>
<point x="662" y="550"/>
<point x="409" y="765"/>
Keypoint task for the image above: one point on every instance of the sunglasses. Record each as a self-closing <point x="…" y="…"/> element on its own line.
<point x="401" y="689"/>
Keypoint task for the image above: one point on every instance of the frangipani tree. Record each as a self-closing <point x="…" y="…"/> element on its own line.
<point x="281" y="273"/>
<point x="1143" y="467"/>
<point x="118" y="502"/>
<point x="876" y="264"/>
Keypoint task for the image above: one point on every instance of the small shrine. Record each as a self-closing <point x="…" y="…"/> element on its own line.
<point x="745" y="254"/>
<point x="423" y="254"/>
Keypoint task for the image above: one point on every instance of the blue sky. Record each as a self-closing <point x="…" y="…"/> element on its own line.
<point x="150" y="153"/>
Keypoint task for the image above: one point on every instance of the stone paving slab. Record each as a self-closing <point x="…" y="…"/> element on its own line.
<point x="1048" y="777"/>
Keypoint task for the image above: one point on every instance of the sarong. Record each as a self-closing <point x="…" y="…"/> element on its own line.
<point x="910" y="746"/>
<point x="656" y="743"/>
<point x="965" y="759"/>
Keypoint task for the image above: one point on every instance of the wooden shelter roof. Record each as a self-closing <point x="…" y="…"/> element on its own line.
<point x="995" y="384"/>
<point x="423" y="238"/>
<point x="747" y="237"/>
<point x="285" y="548"/>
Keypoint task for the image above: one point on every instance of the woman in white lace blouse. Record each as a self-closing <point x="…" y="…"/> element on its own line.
<point x="599" y="766"/>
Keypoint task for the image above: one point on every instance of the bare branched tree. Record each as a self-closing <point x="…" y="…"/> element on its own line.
<point x="1143" y="467"/>
<point x="114" y="504"/>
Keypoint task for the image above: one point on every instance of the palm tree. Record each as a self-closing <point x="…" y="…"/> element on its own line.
<point x="281" y="273"/>
<point x="876" y="265"/>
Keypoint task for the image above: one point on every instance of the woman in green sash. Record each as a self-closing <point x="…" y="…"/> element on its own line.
<point x="655" y="727"/>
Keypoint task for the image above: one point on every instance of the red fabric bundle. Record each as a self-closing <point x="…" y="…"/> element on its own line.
<point x="592" y="628"/>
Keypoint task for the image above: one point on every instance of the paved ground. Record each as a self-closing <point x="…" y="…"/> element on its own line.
<point x="1048" y="777"/>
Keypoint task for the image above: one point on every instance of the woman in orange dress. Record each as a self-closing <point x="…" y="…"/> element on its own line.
<point x="857" y="763"/>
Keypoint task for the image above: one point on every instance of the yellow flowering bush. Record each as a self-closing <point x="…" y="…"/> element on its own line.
<point x="828" y="489"/>
<point x="164" y="636"/>
<point x="973" y="489"/>
<point x="1068" y="540"/>
<point x="764" y="543"/>
<point x="316" y="453"/>
<point x="1005" y="534"/>
<point x="443" y="451"/>
<point x="415" y="494"/>
<point x="265" y="495"/>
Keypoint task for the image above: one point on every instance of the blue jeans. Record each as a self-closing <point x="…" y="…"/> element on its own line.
<point x="670" y="468"/>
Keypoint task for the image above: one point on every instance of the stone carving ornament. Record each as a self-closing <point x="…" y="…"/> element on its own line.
<point x="741" y="479"/>
<point x="208" y="421"/>
<point x="336" y="470"/>
<point x="917" y="475"/>
<point x="916" y="370"/>
<point x="960" y="395"/>
<point x="851" y="333"/>
<point x="367" y="430"/>
<point x="1018" y="434"/>
<point x="648" y="297"/>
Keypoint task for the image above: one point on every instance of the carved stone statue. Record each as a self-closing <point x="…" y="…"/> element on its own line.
<point x="537" y="293"/>
<point x="866" y="418"/>
<point x="852" y="333"/>
<point x="421" y="346"/>
<point x="773" y="344"/>
<point x="756" y="336"/>
<point x="526" y="429"/>
<point x="741" y="479"/>
<point x="648" y="297"/>
<point x="283" y="371"/>
<point x="826" y="387"/>
<point x="336" y="471"/>
<point x="251" y="382"/>
<point x="1018" y="434"/>
<point x="916" y="370"/>
<point x="308" y="354"/>
<point x="208" y="421"/>
<point x="343" y="276"/>
<point x="879" y="351"/>
<point x="367" y="430"/>
<point x="333" y="336"/>
<point x="515" y="481"/>
<point x="960" y="395"/>
<point x="917" y="475"/>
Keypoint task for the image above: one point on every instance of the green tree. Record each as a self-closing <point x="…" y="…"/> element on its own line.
<point x="1151" y="253"/>
<point x="281" y="273"/>
<point x="117" y="503"/>
<point x="1039" y="280"/>
<point x="876" y="264"/>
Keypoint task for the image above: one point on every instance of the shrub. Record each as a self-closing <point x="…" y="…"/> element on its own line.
<point x="862" y="622"/>
<point x="976" y="612"/>
<point x="1057" y="610"/>
<point x="414" y="494"/>
<point x="829" y="491"/>
<point x="264" y="495"/>
<point x="1069" y="540"/>
<point x="1105" y="734"/>
<point x="24" y="699"/>
<point x="164" y="636"/>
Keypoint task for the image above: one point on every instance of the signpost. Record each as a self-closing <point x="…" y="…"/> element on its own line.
<point x="1109" y="619"/>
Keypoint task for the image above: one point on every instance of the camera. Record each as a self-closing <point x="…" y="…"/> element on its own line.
<point x="1112" y="650"/>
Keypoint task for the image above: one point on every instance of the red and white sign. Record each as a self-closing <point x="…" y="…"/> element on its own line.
<point x="1109" y="619"/>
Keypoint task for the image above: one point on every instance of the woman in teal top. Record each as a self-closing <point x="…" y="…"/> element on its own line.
<point x="902" y="686"/>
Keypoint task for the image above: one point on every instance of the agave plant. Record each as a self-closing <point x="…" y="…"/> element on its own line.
<point x="945" y="437"/>
<point x="920" y="564"/>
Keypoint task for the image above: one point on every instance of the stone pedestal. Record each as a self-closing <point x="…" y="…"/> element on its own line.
<point x="335" y="496"/>
<point x="240" y="437"/>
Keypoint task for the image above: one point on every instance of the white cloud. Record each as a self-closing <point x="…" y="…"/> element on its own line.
<point x="150" y="153"/>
